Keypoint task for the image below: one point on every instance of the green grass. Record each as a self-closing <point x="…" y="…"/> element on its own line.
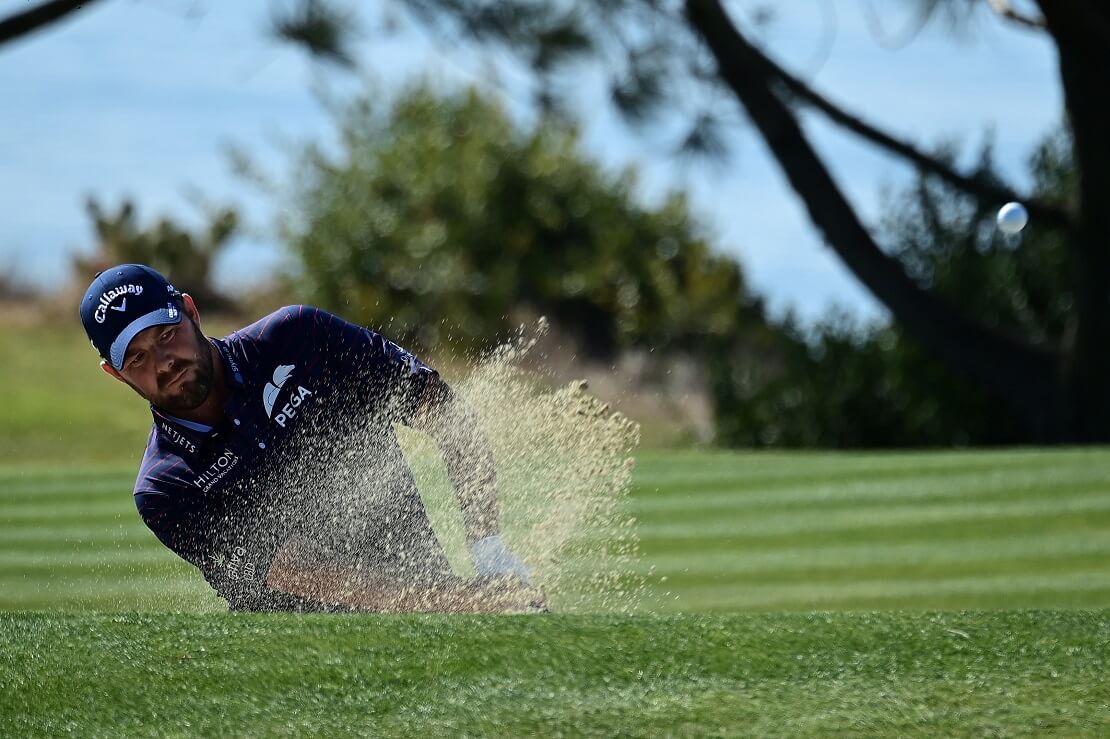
<point x="952" y="674"/>
<point x="788" y="594"/>
<point x="719" y="532"/>
<point x="869" y="531"/>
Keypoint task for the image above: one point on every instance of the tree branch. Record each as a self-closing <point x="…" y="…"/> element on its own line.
<point x="1014" y="367"/>
<point x="1005" y="10"/>
<point x="975" y="185"/>
<point x="23" y="23"/>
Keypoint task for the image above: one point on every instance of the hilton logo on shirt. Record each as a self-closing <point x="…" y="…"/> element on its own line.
<point x="217" y="470"/>
<point x="270" y="394"/>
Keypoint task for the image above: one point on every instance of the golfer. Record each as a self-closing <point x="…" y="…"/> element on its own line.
<point x="272" y="464"/>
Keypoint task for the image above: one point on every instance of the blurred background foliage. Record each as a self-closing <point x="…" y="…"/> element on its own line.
<point x="442" y="218"/>
<point x="172" y="249"/>
<point x="845" y="384"/>
<point x="949" y="244"/>
<point x="442" y="221"/>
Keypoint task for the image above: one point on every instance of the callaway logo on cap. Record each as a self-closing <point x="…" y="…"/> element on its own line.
<point x="121" y="302"/>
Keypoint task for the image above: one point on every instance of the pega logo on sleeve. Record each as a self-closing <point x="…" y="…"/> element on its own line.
<point x="270" y="393"/>
<point x="101" y="313"/>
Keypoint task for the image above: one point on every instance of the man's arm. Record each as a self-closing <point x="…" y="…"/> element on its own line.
<point x="467" y="455"/>
<point x="234" y="564"/>
<point x="349" y="589"/>
<point x="414" y="394"/>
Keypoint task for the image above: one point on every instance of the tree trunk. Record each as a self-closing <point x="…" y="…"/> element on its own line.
<point x="1026" y="376"/>
<point x="1079" y="31"/>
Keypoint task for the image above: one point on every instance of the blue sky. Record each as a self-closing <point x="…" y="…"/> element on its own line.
<point x="141" y="99"/>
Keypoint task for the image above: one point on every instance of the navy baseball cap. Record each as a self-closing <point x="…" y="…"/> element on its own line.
<point x="121" y="302"/>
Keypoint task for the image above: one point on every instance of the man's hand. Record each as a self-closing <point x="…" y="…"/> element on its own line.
<point x="492" y="558"/>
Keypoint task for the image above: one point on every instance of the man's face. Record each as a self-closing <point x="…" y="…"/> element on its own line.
<point x="170" y="366"/>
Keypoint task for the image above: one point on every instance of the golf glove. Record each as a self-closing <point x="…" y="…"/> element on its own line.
<point x="492" y="558"/>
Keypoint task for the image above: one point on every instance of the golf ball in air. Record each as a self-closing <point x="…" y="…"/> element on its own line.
<point x="1012" y="217"/>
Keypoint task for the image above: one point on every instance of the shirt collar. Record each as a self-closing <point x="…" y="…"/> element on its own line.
<point x="233" y="373"/>
<point x="183" y="435"/>
<point x="191" y="425"/>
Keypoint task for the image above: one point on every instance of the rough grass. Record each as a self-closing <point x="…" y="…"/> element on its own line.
<point x="926" y="674"/>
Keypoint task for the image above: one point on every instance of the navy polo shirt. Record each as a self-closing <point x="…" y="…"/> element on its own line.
<point x="307" y="435"/>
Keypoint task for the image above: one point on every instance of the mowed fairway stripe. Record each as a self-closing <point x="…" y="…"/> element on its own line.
<point x="940" y="535"/>
<point x="70" y="534"/>
<point x="178" y="591"/>
<point x="16" y="474"/>
<point x="1015" y="567"/>
<point x="890" y="484"/>
<point x="821" y="594"/>
<point x="802" y="558"/>
<point x="855" y="518"/>
<point x="769" y="468"/>
<point x="30" y="561"/>
<point x="961" y="487"/>
<point x="879" y="533"/>
<point x="46" y="514"/>
<point x="65" y="489"/>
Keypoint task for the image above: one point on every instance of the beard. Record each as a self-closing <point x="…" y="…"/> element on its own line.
<point x="190" y="392"/>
